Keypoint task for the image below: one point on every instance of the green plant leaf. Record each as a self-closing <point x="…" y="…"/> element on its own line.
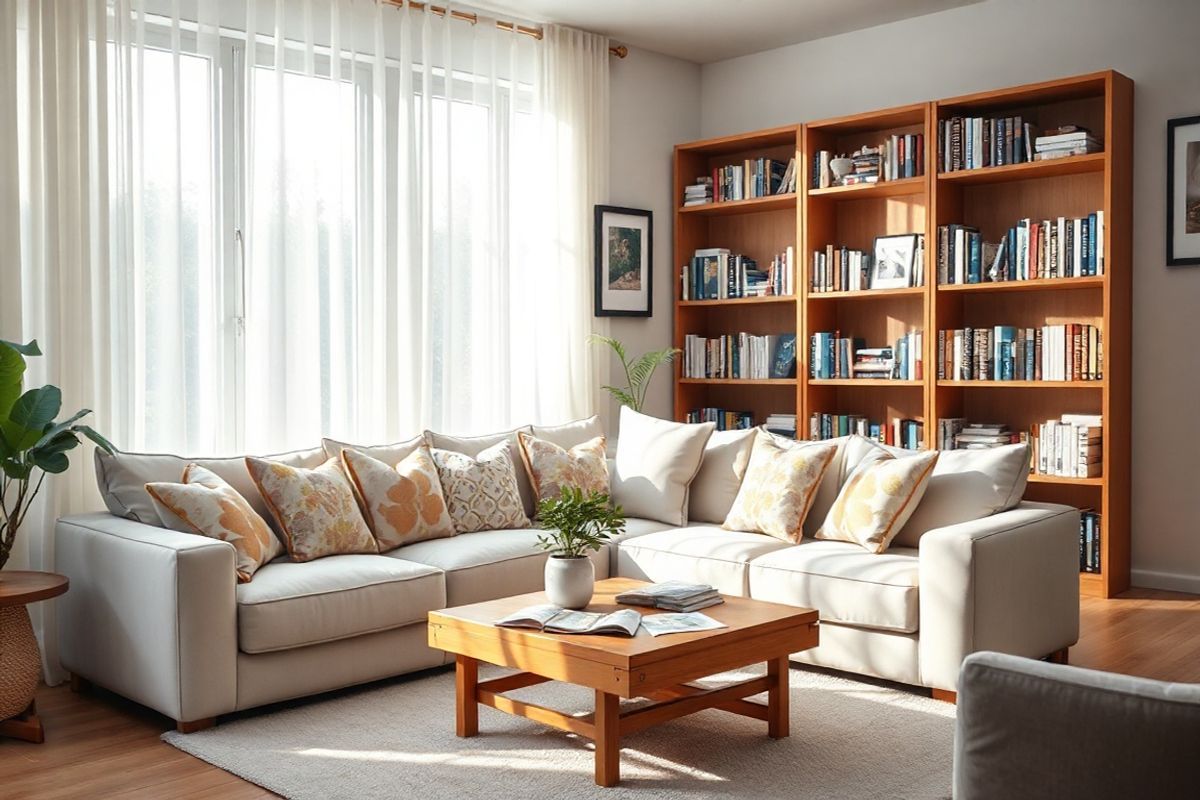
<point x="30" y="349"/>
<point x="59" y="444"/>
<point x="623" y="397"/>
<point x="56" y="428"/>
<point x="30" y="415"/>
<point x="615" y="344"/>
<point x="53" y="463"/>
<point x="98" y="440"/>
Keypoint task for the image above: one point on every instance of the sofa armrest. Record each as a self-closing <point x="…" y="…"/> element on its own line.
<point x="1008" y="582"/>
<point x="151" y="614"/>
<point x="1035" y="730"/>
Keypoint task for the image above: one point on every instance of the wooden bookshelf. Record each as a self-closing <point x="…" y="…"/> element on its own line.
<point x="991" y="199"/>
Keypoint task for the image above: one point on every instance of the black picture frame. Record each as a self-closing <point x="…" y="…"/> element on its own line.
<point x="909" y="242"/>
<point x="603" y="291"/>
<point x="1173" y="126"/>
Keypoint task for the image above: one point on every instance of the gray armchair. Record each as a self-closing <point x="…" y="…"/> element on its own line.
<point x="1028" y="729"/>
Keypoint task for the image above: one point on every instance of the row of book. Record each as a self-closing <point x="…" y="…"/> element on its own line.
<point x="906" y="433"/>
<point x="743" y="356"/>
<point x="1070" y="446"/>
<point x="978" y="142"/>
<point x="754" y="177"/>
<point x="1070" y="352"/>
<point x="716" y="273"/>
<point x="1067" y="140"/>
<point x="1089" y="541"/>
<point x="898" y="156"/>
<point x="834" y="356"/>
<point x="956" y="433"/>
<point x="724" y="419"/>
<point x="1062" y="248"/>
<point x="840" y="269"/>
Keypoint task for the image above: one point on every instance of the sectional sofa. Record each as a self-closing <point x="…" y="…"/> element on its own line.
<point x="157" y="616"/>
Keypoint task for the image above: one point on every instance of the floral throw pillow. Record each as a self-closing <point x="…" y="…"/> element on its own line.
<point x="209" y="506"/>
<point x="777" y="491"/>
<point x="404" y="503"/>
<point x="315" y="508"/>
<point x="551" y="467"/>
<point x="877" y="499"/>
<point x="481" y="493"/>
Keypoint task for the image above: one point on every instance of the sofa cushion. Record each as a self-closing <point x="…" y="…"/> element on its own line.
<point x="656" y="462"/>
<point x="697" y="554"/>
<point x="487" y="565"/>
<point x="291" y="605"/>
<point x="846" y="583"/>
<point x="481" y="491"/>
<point x="636" y="526"/>
<point x="390" y="454"/>
<point x="474" y="445"/>
<point x="877" y="499"/>
<point x="551" y="468"/>
<point x="777" y="492"/>
<point x="403" y="504"/>
<point x="122" y="479"/>
<point x="716" y="485"/>
<point x="570" y="434"/>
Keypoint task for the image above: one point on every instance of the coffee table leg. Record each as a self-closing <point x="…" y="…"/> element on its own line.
<point x="608" y="739"/>
<point x="466" y="678"/>
<point x="777" y="698"/>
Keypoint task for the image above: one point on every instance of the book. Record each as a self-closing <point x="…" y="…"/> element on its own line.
<point x="981" y="142"/>
<point x="1067" y="352"/>
<point x="662" y="624"/>
<point x="672" y="595"/>
<point x="724" y="419"/>
<point x="904" y="433"/>
<point x="552" y="619"/>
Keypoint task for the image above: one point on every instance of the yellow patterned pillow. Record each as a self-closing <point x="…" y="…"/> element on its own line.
<point x="777" y="491"/>
<point x="878" y="498"/>
<point x="315" y="508"/>
<point x="404" y="503"/>
<point x="551" y="467"/>
<point x="211" y="507"/>
<point x="482" y="492"/>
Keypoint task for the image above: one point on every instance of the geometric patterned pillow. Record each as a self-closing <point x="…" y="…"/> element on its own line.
<point x="211" y="507"/>
<point x="481" y="493"/>
<point x="779" y="487"/>
<point x="551" y="467"/>
<point x="315" y="508"/>
<point x="877" y="499"/>
<point x="404" y="503"/>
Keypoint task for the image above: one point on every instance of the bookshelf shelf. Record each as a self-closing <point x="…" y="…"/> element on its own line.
<point x="738" y="301"/>
<point x="868" y="294"/>
<point x="894" y="188"/>
<point x="749" y="206"/>
<point x="1034" y="285"/>
<point x="1022" y="384"/>
<point x="1071" y="165"/>
<point x="1035" y="477"/>
<point x="872" y="382"/>
<point x="738" y="381"/>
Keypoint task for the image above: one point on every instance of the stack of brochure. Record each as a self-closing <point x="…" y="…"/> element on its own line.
<point x="672" y="596"/>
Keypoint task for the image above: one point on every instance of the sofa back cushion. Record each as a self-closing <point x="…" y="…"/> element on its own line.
<point x="656" y="463"/>
<point x="122" y="479"/>
<point x="481" y="492"/>
<point x="570" y="434"/>
<point x="474" y="445"/>
<point x="721" y="470"/>
<point x="390" y="454"/>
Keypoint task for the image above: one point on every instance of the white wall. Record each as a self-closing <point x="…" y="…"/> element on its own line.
<point x="654" y="105"/>
<point x="1004" y="42"/>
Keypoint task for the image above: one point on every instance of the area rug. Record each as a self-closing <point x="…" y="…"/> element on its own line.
<point x="849" y="739"/>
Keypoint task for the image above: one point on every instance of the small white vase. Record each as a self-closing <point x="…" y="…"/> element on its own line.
<point x="570" y="581"/>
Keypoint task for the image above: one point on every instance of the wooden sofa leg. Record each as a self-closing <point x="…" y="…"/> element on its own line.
<point x="79" y="684"/>
<point x="195" y="725"/>
<point x="945" y="695"/>
<point x="1058" y="656"/>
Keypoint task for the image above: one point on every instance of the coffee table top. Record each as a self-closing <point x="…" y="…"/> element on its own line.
<point x="747" y="619"/>
<point x="20" y="587"/>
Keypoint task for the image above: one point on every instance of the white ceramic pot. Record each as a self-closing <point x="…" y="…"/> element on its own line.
<point x="570" y="581"/>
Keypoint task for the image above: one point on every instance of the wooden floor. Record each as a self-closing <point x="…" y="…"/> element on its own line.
<point x="98" y="745"/>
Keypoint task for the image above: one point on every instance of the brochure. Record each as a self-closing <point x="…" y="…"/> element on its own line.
<point x="553" y="619"/>
<point x="660" y="624"/>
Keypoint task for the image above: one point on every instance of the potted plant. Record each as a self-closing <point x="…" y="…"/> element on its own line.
<point x="576" y="524"/>
<point x="638" y="372"/>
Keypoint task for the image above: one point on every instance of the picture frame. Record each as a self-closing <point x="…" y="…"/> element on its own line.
<point x="892" y="266"/>
<point x="624" y="262"/>
<point x="1183" y="192"/>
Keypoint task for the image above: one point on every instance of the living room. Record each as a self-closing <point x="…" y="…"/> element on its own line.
<point x="530" y="398"/>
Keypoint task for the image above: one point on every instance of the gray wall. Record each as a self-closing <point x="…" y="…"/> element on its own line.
<point x="1004" y="42"/>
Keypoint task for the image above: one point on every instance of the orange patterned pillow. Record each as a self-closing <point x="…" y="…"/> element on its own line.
<point x="315" y="508"/>
<point x="551" y="467"/>
<point x="211" y="507"/>
<point x="404" y="503"/>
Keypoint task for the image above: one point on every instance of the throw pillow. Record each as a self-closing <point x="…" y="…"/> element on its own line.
<point x="878" y="498"/>
<point x="481" y="493"/>
<point x="474" y="445"/>
<point x="551" y="467"/>
<point x="207" y="505"/>
<point x="778" y="489"/>
<point x="315" y="508"/>
<point x="387" y="453"/>
<point x="655" y="464"/>
<point x="712" y="493"/>
<point x="404" y="504"/>
<point x="570" y="434"/>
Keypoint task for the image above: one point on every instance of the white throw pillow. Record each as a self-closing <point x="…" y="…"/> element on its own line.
<point x="721" y="471"/>
<point x="570" y="434"/>
<point x="655" y="464"/>
<point x="390" y="454"/>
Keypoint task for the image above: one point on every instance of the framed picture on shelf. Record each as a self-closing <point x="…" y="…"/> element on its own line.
<point x="893" y="265"/>
<point x="1183" y="192"/>
<point x="624" y="261"/>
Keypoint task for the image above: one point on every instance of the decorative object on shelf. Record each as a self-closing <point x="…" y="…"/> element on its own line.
<point x="32" y="444"/>
<point x="624" y="261"/>
<point x="20" y="659"/>
<point x="895" y="258"/>
<point x="1183" y="191"/>
<point x="638" y="373"/>
<point x="840" y="167"/>
<point x="575" y="524"/>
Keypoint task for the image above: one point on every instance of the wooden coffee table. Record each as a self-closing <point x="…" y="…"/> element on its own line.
<point x="657" y="668"/>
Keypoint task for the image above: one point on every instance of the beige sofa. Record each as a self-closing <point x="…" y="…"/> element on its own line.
<point x="157" y="616"/>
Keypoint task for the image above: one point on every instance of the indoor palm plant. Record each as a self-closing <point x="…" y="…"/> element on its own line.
<point x="575" y="524"/>
<point x="638" y="372"/>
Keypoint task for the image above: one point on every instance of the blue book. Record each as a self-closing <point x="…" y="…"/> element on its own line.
<point x="974" y="253"/>
<point x="1002" y="347"/>
<point x="1091" y="255"/>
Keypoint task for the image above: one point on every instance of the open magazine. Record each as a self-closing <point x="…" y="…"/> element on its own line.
<point x="553" y="619"/>
<point x="659" y="624"/>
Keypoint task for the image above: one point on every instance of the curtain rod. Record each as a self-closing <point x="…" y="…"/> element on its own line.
<point x="620" y="50"/>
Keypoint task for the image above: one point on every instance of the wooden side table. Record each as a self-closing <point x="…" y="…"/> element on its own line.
<point x="20" y="658"/>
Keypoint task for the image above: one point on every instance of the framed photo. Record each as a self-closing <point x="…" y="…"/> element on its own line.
<point x="1183" y="191"/>
<point x="892" y="267"/>
<point x="624" y="261"/>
